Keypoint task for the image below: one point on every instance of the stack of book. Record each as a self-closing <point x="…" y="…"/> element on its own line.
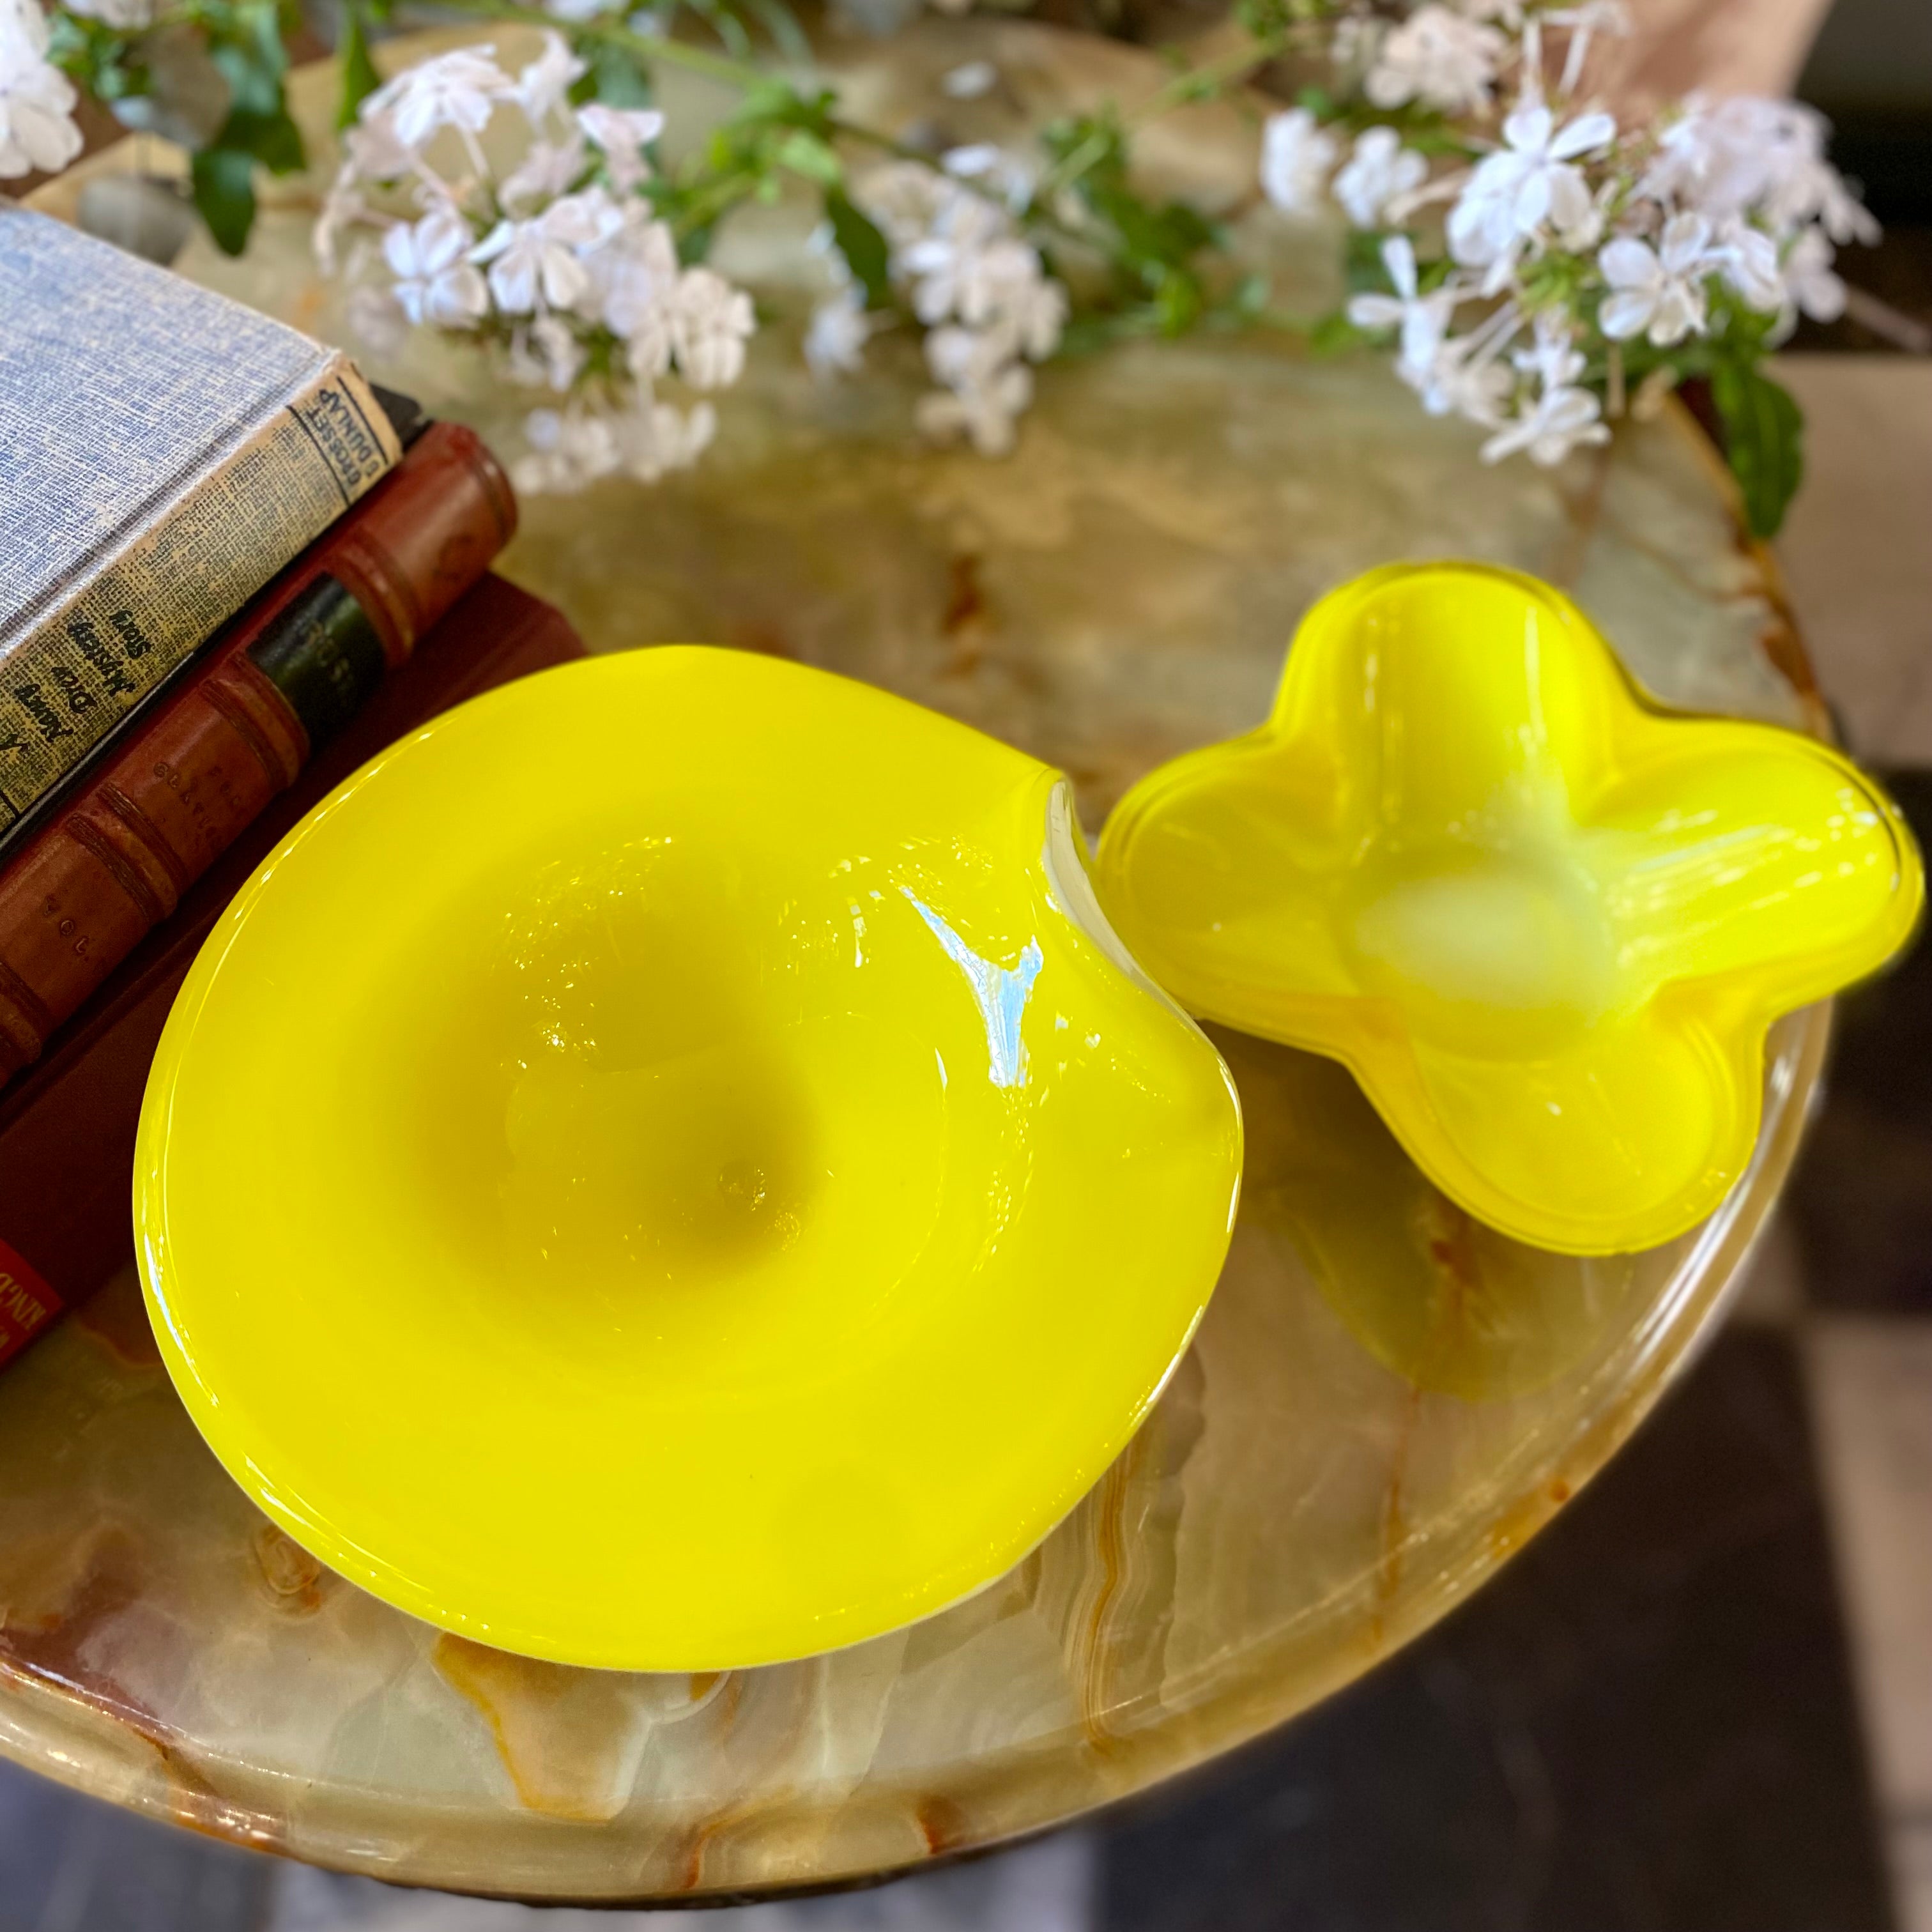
<point x="231" y="570"/>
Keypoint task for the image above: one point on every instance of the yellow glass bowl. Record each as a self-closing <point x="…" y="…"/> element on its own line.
<point x="1545" y="922"/>
<point x="666" y="1168"/>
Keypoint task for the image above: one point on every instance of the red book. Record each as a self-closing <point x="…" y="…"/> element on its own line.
<point x="66" y="1127"/>
<point x="286" y="674"/>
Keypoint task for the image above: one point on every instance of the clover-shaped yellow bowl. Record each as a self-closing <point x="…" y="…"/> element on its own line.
<point x="1545" y="922"/>
<point x="668" y="1168"/>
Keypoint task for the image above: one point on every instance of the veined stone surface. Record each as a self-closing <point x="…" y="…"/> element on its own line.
<point x="1384" y="1400"/>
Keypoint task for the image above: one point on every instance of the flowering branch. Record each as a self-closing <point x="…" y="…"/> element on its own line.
<point x="1540" y="269"/>
<point x="1536" y="267"/>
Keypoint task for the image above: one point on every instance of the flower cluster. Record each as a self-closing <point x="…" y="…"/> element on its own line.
<point x="37" y="100"/>
<point x="977" y="286"/>
<point x="560" y="264"/>
<point x="1537" y="265"/>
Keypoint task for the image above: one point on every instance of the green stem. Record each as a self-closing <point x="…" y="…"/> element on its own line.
<point x="714" y="202"/>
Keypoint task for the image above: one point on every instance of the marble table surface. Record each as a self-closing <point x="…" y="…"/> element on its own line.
<point x="1385" y="1399"/>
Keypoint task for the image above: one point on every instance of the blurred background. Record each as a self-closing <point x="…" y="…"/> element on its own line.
<point x="1702" y="1701"/>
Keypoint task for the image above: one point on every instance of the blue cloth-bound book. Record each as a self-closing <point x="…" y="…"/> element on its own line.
<point x="163" y="452"/>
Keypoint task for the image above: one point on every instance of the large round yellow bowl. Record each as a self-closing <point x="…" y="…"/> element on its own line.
<point x="667" y="1167"/>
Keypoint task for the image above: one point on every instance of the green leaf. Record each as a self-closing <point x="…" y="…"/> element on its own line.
<point x="247" y="46"/>
<point x="804" y="154"/>
<point x="272" y="139"/>
<point x="777" y="103"/>
<point x="1178" y="301"/>
<point x="1363" y="271"/>
<point x="1088" y="333"/>
<point x="224" y="193"/>
<point x="359" y="77"/>
<point x="1764" y="442"/>
<point x="1264" y="19"/>
<point x="613" y="74"/>
<point x="107" y="63"/>
<point x="864" y="249"/>
<point x="1334" y="333"/>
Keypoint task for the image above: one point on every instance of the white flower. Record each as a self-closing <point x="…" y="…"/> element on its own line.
<point x="1465" y="379"/>
<point x="37" y="101"/>
<point x="622" y="134"/>
<point x="1439" y="57"/>
<point x="710" y="321"/>
<point x="974" y="268"/>
<point x="1761" y="154"/>
<point x="538" y="261"/>
<point x="1006" y="174"/>
<point x="835" y="343"/>
<point x="1034" y="311"/>
<point x="571" y="448"/>
<point x="1379" y="170"/>
<point x="435" y="283"/>
<point x="542" y="86"/>
<point x="948" y="262"/>
<point x="983" y="395"/>
<point x="1296" y="157"/>
<point x="1659" y="291"/>
<point x="1682" y="158"/>
<point x="987" y="414"/>
<point x="459" y="90"/>
<point x="1533" y="180"/>
<point x="373" y="149"/>
<point x="969" y="81"/>
<point x="997" y="281"/>
<point x="547" y="352"/>
<point x="1748" y="257"/>
<point x="1809" y="282"/>
<point x="1423" y="320"/>
<point x="1839" y="213"/>
<point x="1562" y="416"/>
<point x="576" y="11"/>
<point x="546" y="171"/>
<point x="1557" y="422"/>
<point x="1355" y="43"/>
<point x="982" y="290"/>
<point x="568" y="451"/>
<point x="965" y="259"/>
<point x="1552" y="356"/>
<point x="903" y="199"/>
<point x="656" y="438"/>
<point x="1748" y="156"/>
<point x="342" y="208"/>
<point x="634" y="276"/>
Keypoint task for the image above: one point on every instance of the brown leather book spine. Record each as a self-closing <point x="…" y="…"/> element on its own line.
<point x="290" y="672"/>
<point x="67" y="1125"/>
<point x="27" y="1304"/>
